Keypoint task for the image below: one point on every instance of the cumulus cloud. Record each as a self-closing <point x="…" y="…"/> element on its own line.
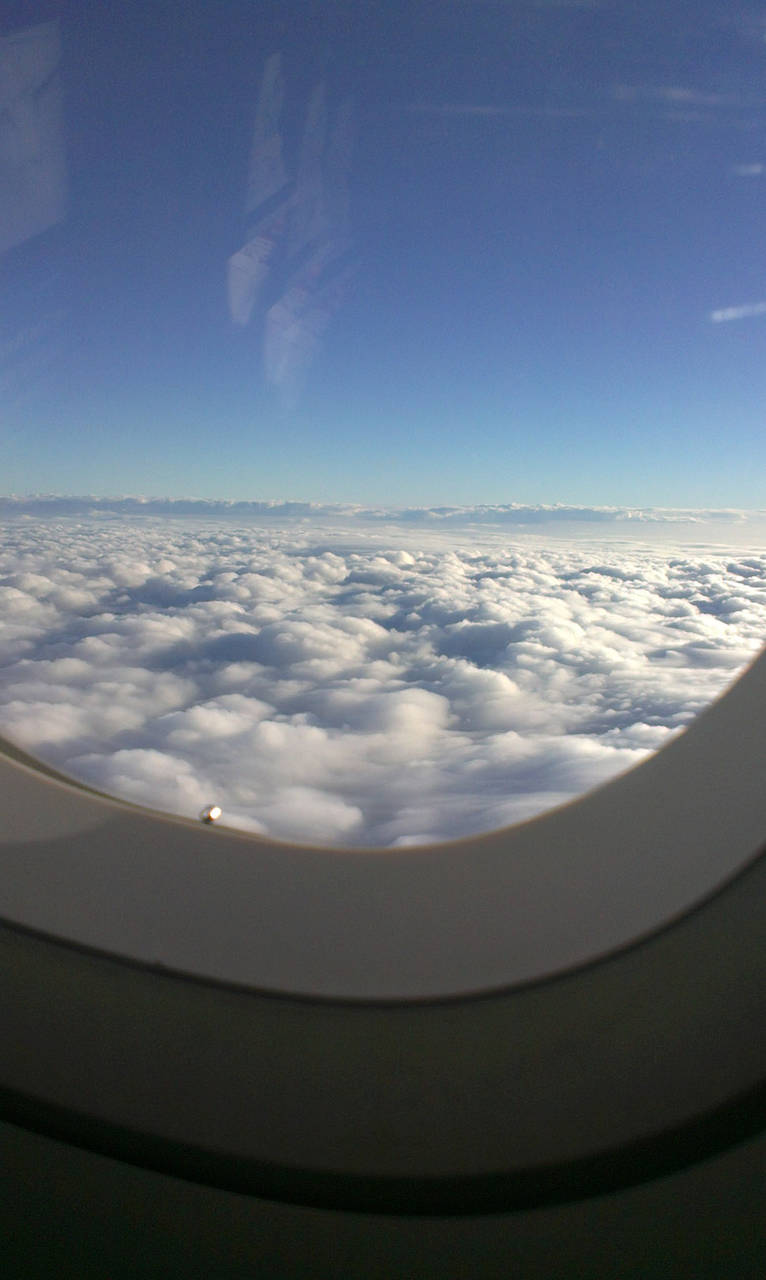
<point x="743" y="312"/>
<point x="755" y="170"/>
<point x="350" y="681"/>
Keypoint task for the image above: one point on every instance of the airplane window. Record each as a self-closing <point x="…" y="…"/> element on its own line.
<point x="382" y="399"/>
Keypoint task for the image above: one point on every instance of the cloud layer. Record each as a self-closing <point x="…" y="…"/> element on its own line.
<point x="513" y="513"/>
<point x="353" y="683"/>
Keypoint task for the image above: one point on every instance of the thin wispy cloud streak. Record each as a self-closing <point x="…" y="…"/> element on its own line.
<point x="683" y="96"/>
<point x="489" y="110"/>
<point x="745" y="312"/>
<point x="356" y="683"/>
<point x="567" y="4"/>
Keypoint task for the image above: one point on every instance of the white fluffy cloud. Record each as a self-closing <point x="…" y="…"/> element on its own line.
<point x="361" y="682"/>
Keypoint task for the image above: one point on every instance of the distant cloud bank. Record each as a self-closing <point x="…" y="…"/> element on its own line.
<point x="358" y="683"/>
<point x="487" y="513"/>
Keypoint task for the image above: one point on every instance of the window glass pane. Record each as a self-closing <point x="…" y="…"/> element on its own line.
<point x="382" y="398"/>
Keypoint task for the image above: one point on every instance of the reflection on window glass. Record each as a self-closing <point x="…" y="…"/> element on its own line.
<point x="382" y="398"/>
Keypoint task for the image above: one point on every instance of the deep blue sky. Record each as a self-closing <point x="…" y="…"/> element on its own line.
<point x="548" y="201"/>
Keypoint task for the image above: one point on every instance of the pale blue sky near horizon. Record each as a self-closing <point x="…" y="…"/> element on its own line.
<point x="549" y="286"/>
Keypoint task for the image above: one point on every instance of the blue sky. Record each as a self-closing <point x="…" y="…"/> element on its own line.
<point x="548" y="204"/>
